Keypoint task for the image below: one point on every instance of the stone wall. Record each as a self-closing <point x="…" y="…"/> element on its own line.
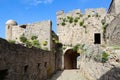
<point x="20" y="63"/>
<point x="113" y="32"/>
<point x="41" y="29"/>
<point x="16" y="33"/>
<point x="92" y="69"/>
<point x="117" y="5"/>
<point x="114" y="7"/>
<point x="77" y="28"/>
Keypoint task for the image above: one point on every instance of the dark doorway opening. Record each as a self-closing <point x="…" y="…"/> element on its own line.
<point x="3" y="74"/>
<point x="97" y="38"/>
<point x="25" y="68"/>
<point x="70" y="59"/>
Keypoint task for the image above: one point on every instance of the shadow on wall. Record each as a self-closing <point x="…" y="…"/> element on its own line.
<point x="21" y="63"/>
<point x="113" y="74"/>
<point x="3" y="74"/>
<point x="56" y="75"/>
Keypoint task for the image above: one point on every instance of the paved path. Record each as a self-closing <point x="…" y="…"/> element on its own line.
<point x="67" y="75"/>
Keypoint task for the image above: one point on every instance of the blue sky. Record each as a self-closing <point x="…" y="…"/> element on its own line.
<point x="28" y="11"/>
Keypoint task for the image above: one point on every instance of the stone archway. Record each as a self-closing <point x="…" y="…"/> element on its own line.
<point x="70" y="59"/>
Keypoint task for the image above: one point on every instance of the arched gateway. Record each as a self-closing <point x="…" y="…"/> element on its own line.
<point x="70" y="59"/>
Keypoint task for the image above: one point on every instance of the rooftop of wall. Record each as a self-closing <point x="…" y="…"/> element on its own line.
<point x="11" y="22"/>
<point x="78" y="11"/>
<point x="44" y="21"/>
<point x="60" y="12"/>
<point x="14" y="23"/>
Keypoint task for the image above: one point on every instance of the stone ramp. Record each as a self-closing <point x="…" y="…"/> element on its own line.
<point x="67" y="75"/>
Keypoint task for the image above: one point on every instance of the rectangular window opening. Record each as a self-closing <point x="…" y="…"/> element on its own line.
<point x="97" y="38"/>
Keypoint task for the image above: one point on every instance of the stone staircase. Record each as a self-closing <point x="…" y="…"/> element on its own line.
<point x="67" y="75"/>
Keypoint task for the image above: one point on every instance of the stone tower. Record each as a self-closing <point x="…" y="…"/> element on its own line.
<point x="9" y="25"/>
<point x="114" y="7"/>
<point x="75" y="27"/>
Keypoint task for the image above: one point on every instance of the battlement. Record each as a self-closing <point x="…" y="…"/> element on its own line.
<point x="100" y="11"/>
<point x="60" y="12"/>
<point x="77" y="11"/>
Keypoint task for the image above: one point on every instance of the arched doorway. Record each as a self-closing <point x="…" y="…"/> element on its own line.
<point x="70" y="59"/>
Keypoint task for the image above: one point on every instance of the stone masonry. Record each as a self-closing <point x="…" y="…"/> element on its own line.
<point x="113" y="32"/>
<point x="77" y="28"/>
<point x="114" y="7"/>
<point x="95" y="26"/>
<point x="41" y="29"/>
<point x="20" y="63"/>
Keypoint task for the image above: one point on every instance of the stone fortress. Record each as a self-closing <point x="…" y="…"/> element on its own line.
<point x="96" y="30"/>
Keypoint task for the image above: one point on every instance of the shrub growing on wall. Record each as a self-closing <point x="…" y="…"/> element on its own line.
<point x="45" y="43"/>
<point x="28" y="44"/>
<point x="103" y="22"/>
<point x="75" y="20"/>
<point x="63" y="24"/>
<point x="79" y="48"/>
<point x="11" y="41"/>
<point x="23" y="39"/>
<point x="70" y="19"/>
<point x="104" y="57"/>
<point x="97" y="15"/>
<point x="36" y="43"/>
<point x="104" y="30"/>
<point x="34" y="37"/>
<point x="89" y="16"/>
<point x="82" y="23"/>
<point x="33" y="42"/>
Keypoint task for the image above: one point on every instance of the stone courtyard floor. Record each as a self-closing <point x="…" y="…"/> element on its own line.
<point x="68" y="75"/>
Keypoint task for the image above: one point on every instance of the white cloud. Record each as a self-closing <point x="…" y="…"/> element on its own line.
<point x="37" y="2"/>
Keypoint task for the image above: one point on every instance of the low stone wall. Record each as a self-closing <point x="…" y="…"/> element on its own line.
<point x="94" y="70"/>
<point x="20" y="63"/>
